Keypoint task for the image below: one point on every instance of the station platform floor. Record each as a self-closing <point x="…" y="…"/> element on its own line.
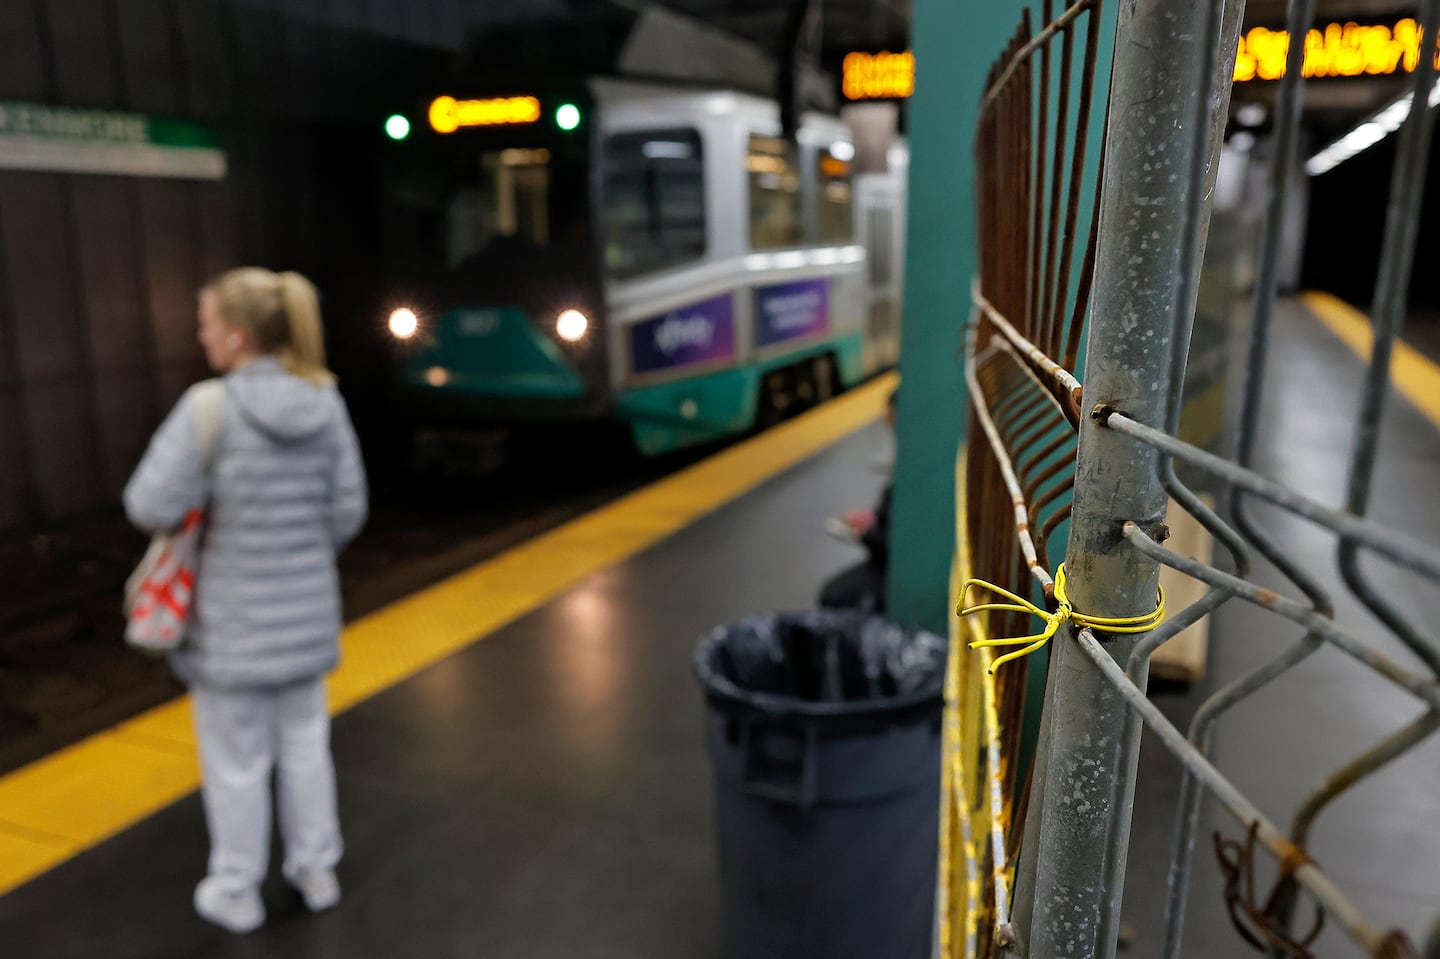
<point x="520" y="752"/>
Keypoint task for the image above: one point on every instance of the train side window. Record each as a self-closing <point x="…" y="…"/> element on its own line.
<point x="776" y="216"/>
<point x="654" y="200"/>
<point x="833" y="201"/>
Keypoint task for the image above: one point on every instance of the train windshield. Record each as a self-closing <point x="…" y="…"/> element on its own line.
<point x="508" y="202"/>
<point x="483" y="211"/>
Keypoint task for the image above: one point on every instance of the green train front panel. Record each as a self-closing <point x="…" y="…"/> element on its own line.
<point x="490" y="351"/>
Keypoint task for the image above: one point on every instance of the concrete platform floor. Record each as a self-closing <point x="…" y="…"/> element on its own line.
<point x="545" y="792"/>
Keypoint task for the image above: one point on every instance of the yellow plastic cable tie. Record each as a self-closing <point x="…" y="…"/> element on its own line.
<point x="1063" y="613"/>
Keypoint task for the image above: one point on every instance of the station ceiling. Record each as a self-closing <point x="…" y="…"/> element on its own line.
<point x="847" y="25"/>
<point x="844" y="25"/>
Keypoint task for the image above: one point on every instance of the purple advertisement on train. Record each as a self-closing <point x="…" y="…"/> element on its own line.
<point x="791" y="311"/>
<point x="702" y="332"/>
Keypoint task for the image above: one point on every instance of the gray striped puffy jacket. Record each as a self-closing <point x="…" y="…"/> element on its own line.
<point x="285" y="492"/>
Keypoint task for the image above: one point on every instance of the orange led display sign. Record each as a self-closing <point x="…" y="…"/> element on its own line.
<point x="878" y="76"/>
<point x="1336" y="50"/>
<point x="448" y="114"/>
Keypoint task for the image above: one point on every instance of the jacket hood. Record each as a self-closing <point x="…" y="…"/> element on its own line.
<point x="283" y="406"/>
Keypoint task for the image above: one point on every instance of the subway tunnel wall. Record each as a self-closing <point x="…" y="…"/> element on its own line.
<point x="1347" y="225"/>
<point x="98" y="272"/>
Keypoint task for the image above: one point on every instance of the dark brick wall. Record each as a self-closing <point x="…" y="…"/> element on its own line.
<point x="98" y="273"/>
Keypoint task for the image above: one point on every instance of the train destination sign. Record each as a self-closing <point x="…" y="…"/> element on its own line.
<point x="1335" y="50"/>
<point x="67" y="140"/>
<point x="448" y="114"/>
<point x="878" y="76"/>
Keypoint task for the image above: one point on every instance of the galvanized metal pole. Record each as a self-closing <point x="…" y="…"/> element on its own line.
<point x="1141" y="274"/>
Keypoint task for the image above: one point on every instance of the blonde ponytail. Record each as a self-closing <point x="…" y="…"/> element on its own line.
<point x="281" y="312"/>
<point x="304" y="355"/>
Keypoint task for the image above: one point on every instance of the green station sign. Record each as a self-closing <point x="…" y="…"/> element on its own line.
<point x="68" y="140"/>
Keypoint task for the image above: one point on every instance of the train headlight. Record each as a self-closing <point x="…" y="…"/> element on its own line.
<point x="404" y="323"/>
<point x="572" y="325"/>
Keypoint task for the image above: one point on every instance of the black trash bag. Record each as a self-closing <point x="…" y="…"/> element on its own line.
<point x="821" y="661"/>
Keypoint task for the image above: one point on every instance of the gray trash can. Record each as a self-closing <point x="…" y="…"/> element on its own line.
<point x="824" y="733"/>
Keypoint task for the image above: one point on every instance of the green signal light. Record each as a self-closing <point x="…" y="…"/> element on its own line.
<point x="567" y="116"/>
<point x="397" y="127"/>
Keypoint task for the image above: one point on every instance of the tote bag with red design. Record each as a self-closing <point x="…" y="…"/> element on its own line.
<point x="160" y="594"/>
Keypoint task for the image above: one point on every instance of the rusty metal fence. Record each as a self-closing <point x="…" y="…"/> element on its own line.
<point x="1036" y="817"/>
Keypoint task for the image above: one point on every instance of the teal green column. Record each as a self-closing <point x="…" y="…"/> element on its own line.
<point x="955" y="44"/>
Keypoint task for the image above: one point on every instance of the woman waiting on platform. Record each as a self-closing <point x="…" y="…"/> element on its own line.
<point x="283" y="487"/>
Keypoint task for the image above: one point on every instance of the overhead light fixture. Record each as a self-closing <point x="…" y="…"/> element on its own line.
<point x="1367" y="134"/>
<point x="1251" y="115"/>
<point x="666" y="150"/>
<point x="720" y="104"/>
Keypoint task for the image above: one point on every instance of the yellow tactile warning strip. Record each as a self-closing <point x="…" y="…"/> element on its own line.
<point x="1415" y="377"/>
<point x="72" y="800"/>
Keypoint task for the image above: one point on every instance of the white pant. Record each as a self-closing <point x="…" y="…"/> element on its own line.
<point x="244" y="734"/>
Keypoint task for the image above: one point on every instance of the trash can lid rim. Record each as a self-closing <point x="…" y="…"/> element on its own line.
<point x="722" y="689"/>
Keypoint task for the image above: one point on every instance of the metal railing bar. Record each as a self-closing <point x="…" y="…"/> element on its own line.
<point x="995" y="792"/>
<point x="1020" y="55"/>
<point x="1053" y="523"/>
<point x="1069" y="385"/>
<point x="1076" y="326"/>
<point x="1336" y="904"/>
<point x="1386" y="611"/>
<point x="1203" y="724"/>
<point x="1025" y="211"/>
<point x="1393" y="544"/>
<point x="1287" y="141"/>
<point x="1397" y="255"/>
<point x="1426" y="688"/>
<point x="1019" y="431"/>
<point x="1033" y="483"/>
<point x="1027" y="463"/>
<point x="1053" y="237"/>
<point x="1187" y="821"/>
<point x="1208" y="111"/>
<point x="1021" y="360"/>
<point x="1035" y="197"/>
<point x="1391" y="748"/>
<point x="1041" y="392"/>
<point x="1007" y="472"/>
<point x="1010" y="403"/>
<point x="1092" y="43"/>
<point x="1338" y="783"/>
<point x="1173" y="626"/>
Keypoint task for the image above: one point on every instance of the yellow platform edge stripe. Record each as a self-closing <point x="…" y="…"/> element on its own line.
<point x="74" y="799"/>
<point x="1414" y="376"/>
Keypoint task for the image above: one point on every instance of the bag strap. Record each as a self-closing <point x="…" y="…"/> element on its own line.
<point x="209" y="412"/>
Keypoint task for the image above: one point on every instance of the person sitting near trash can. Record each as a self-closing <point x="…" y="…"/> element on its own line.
<point x="862" y="586"/>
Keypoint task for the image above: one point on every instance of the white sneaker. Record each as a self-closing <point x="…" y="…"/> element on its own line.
<point x="320" y="890"/>
<point x="238" y="912"/>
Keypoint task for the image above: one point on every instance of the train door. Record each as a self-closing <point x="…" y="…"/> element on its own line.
<point x="878" y="205"/>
